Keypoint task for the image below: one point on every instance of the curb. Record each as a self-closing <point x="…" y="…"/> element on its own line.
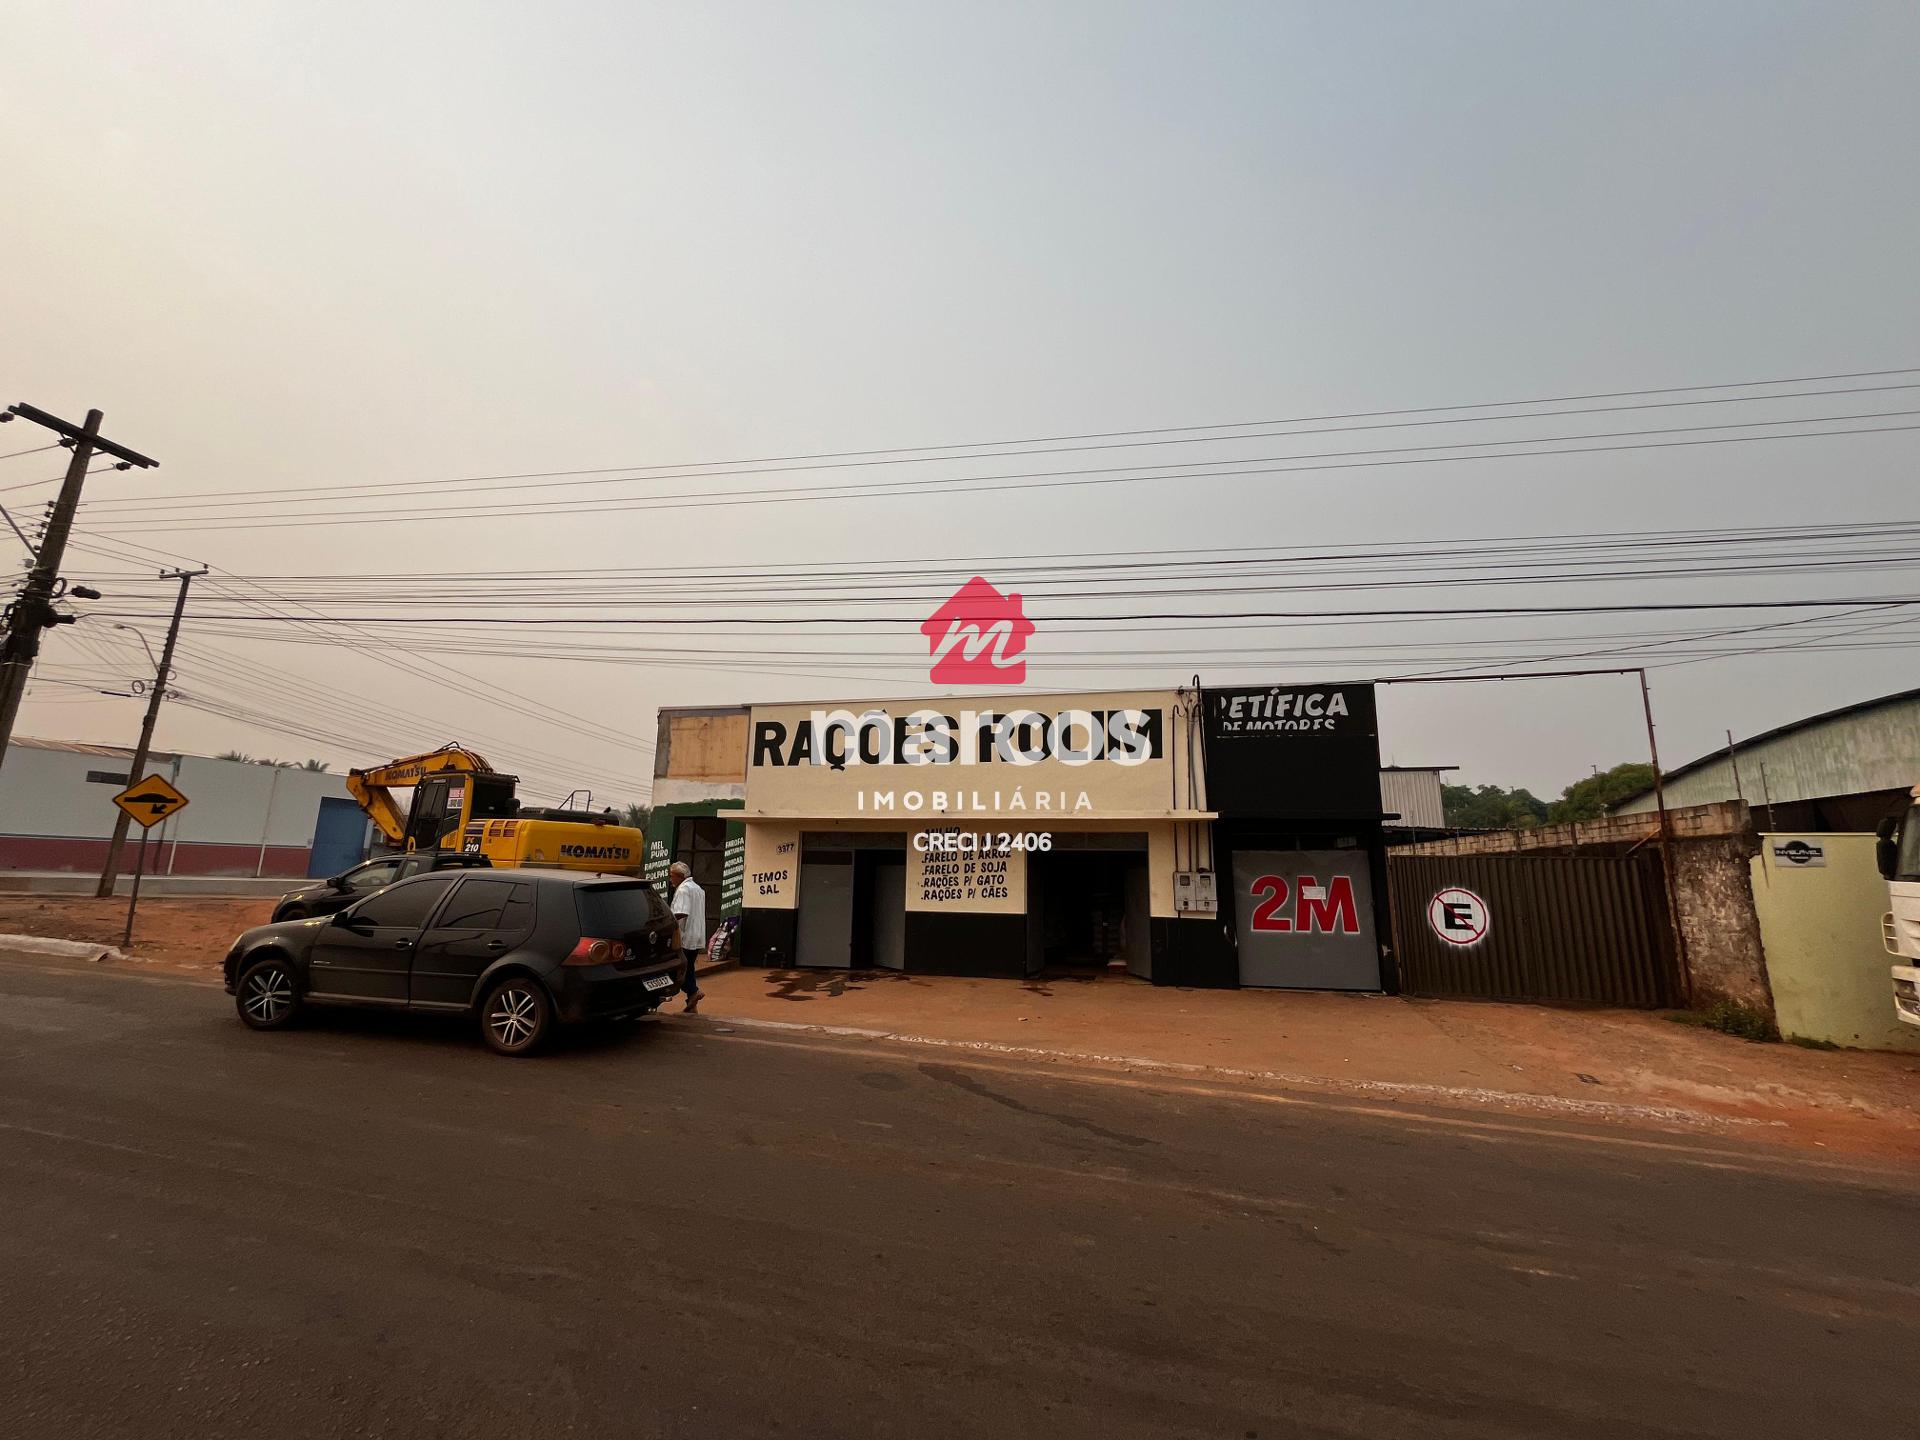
<point x="61" y="949"/>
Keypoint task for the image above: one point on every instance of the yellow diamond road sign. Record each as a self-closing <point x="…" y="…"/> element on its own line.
<point x="150" y="801"/>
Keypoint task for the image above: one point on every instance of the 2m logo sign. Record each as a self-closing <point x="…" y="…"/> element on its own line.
<point x="1317" y="909"/>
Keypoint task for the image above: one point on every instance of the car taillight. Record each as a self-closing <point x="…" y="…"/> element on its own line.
<point x="597" y="952"/>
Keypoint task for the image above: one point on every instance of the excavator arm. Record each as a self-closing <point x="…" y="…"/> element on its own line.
<point x="372" y="789"/>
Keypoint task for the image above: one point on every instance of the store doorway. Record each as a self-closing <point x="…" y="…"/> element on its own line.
<point x="1087" y="912"/>
<point x="884" y="887"/>
<point x="853" y="902"/>
<point x="700" y="843"/>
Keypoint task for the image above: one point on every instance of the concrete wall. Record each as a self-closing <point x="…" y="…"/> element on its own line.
<point x="1821" y="927"/>
<point x="242" y="819"/>
<point x="1693" y="822"/>
<point x="235" y="803"/>
<point x="1726" y="959"/>
<point x="46" y="792"/>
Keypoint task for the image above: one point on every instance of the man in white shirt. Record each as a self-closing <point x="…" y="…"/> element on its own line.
<point x="690" y="909"/>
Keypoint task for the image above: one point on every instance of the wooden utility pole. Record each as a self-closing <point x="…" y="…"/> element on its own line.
<point x="33" y="611"/>
<point x="110" y="872"/>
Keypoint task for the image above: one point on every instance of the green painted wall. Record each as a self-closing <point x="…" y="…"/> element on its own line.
<point x="1825" y="958"/>
<point x="659" y="849"/>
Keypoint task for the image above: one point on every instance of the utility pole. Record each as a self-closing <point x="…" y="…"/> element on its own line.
<point x="137" y="771"/>
<point x="33" y="612"/>
<point x="1682" y="963"/>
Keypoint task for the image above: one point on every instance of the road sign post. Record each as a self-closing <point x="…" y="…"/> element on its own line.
<point x="145" y="802"/>
<point x="133" y="901"/>
<point x="163" y="673"/>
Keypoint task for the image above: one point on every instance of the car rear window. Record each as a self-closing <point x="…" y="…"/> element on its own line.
<point x="489" y="905"/>
<point x="610" y="911"/>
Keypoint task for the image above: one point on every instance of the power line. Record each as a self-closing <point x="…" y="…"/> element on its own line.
<point x="35" y="450"/>
<point x="56" y="479"/>
<point x="488" y="691"/>
<point x="964" y="485"/>
<point x="1637" y="607"/>
<point x="321" y="494"/>
<point x="709" y="465"/>
<point x="1573" y="539"/>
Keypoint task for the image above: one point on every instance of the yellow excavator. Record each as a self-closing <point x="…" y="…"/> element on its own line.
<point x="460" y="802"/>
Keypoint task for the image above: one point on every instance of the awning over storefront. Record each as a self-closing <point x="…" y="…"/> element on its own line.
<point x="922" y="820"/>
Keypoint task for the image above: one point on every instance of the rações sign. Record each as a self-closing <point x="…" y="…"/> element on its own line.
<point x="1081" y="755"/>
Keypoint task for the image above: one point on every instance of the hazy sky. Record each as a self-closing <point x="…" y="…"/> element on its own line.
<point x="319" y="244"/>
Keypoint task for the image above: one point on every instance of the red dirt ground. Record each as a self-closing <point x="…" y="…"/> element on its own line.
<point x="180" y="934"/>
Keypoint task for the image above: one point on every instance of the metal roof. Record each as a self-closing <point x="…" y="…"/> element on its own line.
<point x="71" y="747"/>
<point x="1789" y="728"/>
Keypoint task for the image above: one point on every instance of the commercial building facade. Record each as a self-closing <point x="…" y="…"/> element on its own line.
<point x="1192" y="837"/>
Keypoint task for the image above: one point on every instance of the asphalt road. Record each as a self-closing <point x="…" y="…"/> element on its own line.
<point x="371" y="1226"/>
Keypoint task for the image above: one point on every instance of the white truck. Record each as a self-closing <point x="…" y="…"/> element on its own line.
<point x="1899" y="855"/>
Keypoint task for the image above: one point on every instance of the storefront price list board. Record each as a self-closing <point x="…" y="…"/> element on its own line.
<point x="976" y="877"/>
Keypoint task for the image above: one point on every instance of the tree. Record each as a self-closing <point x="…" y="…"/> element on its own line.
<point x="1592" y="797"/>
<point x="314" y="766"/>
<point x="1488" y="807"/>
<point x="638" y="815"/>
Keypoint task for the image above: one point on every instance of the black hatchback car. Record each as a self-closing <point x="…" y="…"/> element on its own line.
<point x="337" y="892"/>
<point x="520" y="949"/>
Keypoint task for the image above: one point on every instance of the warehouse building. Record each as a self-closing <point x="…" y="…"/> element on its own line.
<point x="1198" y="837"/>
<point x="242" y="819"/>
<point x="1835" y="772"/>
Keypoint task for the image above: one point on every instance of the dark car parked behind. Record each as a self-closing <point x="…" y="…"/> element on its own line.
<point x="521" y="949"/>
<point x="337" y="892"/>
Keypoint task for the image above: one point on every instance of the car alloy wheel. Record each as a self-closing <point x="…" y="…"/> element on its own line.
<point x="515" y="1017"/>
<point x="266" y="996"/>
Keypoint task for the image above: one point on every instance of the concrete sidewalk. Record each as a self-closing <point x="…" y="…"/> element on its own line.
<point x="1605" y="1063"/>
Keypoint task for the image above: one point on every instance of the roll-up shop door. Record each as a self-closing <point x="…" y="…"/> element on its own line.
<point x="1304" y="920"/>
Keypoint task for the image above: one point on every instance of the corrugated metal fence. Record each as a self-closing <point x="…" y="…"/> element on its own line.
<point x="1556" y="928"/>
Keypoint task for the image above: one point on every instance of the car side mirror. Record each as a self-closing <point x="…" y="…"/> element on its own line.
<point x="340" y="883"/>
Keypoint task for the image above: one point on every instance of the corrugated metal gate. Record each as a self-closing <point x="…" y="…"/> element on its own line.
<point x="1533" y="927"/>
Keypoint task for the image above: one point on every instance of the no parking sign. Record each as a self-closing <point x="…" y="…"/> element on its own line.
<point x="1459" y="916"/>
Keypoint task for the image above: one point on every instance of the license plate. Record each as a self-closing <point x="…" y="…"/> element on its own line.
<point x="656" y="982"/>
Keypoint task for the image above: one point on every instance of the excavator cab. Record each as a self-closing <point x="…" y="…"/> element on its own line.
<point x="443" y="804"/>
